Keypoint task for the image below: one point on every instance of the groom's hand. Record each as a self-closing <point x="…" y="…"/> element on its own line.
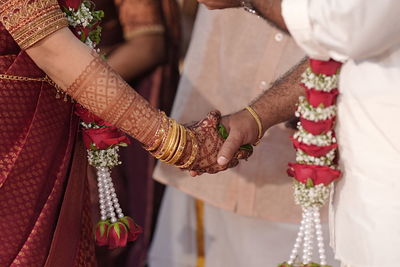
<point x="220" y="4"/>
<point x="242" y="130"/>
<point x="210" y="142"/>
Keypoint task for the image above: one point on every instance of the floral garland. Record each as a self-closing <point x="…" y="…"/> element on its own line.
<point x="102" y="140"/>
<point x="316" y="162"/>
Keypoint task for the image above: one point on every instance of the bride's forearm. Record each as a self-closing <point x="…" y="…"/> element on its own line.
<point x="61" y="56"/>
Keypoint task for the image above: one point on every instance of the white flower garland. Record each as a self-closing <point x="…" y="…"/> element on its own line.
<point x="304" y="158"/>
<point x="307" y="111"/>
<point x="311" y="196"/>
<point x="314" y="196"/>
<point x="83" y="17"/>
<point x="319" y="82"/>
<point x="309" y="139"/>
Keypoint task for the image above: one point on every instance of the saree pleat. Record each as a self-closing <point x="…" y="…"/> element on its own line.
<point x="37" y="137"/>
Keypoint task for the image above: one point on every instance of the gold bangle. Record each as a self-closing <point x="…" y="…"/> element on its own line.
<point x="259" y="124"/>
<point x="164" y="145"/>
<point x="174" y="145"/>
<point x="193" y="155"/>
<point x="181" y="146"/>
<point x="168" y="146"/>
<point x="160" y="133"/>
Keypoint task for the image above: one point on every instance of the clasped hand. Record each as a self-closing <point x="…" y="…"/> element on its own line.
<point x="217" y="154"/>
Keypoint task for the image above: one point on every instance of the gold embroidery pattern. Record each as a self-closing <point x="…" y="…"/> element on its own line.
<point x="29" y="21"/>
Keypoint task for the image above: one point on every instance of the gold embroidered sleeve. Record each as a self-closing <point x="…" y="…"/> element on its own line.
<point x="140" y="17"/>
<point x="29" y="21"/>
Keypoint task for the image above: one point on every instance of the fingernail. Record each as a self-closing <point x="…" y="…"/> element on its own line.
<point x="222" y="160"/>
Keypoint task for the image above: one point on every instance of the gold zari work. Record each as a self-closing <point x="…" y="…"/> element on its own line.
<point x="29" y="21"/>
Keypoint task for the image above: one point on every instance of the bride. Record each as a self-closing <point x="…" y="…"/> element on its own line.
<point x="43" y="194"/>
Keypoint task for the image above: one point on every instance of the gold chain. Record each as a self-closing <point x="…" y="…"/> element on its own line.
<point x="28" y="79"/>
<point x="45" y="79"/>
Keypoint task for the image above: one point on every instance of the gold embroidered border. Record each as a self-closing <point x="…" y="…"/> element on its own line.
<point x="30" y="21"/>
<point x="151" y="29"/>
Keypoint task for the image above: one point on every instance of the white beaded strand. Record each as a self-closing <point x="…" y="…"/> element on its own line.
<point x="298" y="242"/>
<point x="319" y="236"/>
<point x="114" y="198"/>
<point x="102" y="197"/>
<point x="308" y="236"/>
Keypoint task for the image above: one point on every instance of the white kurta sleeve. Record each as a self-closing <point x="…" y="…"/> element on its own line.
<point x="342" y="29"/>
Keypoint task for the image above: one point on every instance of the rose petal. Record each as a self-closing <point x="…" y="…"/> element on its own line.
<point x="317" y="97"/>
<point x="325" y="67"/>
<point x="313" y="150"/>
<point x="316" y="128"/>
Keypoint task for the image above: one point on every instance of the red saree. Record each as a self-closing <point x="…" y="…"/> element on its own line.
<point x="43" y="219"/>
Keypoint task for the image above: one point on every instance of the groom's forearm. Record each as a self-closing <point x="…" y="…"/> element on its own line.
<point x="271" y="11"/>
<point x="278" y="104"/>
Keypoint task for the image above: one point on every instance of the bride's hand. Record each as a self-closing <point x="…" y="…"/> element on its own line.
<point x="210" y="143"/>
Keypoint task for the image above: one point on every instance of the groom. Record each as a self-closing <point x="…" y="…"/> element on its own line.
<point x="365" y="206"/>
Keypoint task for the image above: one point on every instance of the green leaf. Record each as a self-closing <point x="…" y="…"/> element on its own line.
<point x="309" y="183"/>
<point x="224" y="134"/>
<point x="222" y="131"/>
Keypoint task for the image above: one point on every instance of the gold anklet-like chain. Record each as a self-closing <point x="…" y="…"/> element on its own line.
<point x="45" y="79"/>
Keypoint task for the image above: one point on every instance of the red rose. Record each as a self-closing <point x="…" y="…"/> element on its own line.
<point x="318" y="127"/>
<point x="134" y="230"/>
<point x="117" y="235"/>
<point x="103" y="138"/>
<point x="318" y="174"/>
<point x="313" y="150"/>
<point x="324" y="67"/>
<point x="316" y="97"/>
<point x="71" y="3"/>
<point x="101" y="233"/>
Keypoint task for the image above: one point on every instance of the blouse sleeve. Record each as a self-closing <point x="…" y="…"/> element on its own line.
<point x="29" y="21"/>
<point x="140" y="17"/>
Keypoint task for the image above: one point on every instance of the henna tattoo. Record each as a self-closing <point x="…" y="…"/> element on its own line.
<point x="106" y="94"/>
<point x="210" y="143"/>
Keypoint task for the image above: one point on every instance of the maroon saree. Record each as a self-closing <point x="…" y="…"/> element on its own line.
<point x="43" y="201"/>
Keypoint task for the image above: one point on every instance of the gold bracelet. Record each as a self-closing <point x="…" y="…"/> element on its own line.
<point x="160" y="133"/>
<point x="166" y="150"/>
<point x="161" y="152"/>
<point x="193" y="155"/>
<point x="174" y="145"/>
<point x="181" y="146"/>
<point x="259" y="124"/>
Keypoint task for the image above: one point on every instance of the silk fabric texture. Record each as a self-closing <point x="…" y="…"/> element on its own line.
<point x="42" y="197"/>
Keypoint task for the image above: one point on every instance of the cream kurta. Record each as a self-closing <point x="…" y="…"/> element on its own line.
<point x="216" y="76"/>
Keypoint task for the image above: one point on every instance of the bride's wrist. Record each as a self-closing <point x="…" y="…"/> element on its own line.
<point x="173" y="143"/>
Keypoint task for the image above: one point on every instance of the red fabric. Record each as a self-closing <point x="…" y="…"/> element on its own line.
<point x="37" y="137"/>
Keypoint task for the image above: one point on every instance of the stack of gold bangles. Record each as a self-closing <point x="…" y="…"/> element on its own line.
<point x="170" y="142"/>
